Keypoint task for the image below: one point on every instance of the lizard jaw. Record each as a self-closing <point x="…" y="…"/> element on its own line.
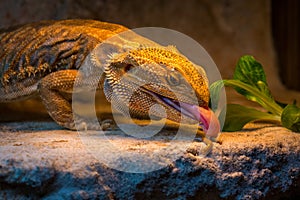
<point x="208" y="120"/>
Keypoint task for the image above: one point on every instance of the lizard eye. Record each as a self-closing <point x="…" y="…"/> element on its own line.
<point x="127" y="67"/>
<point x="173" y="79"/>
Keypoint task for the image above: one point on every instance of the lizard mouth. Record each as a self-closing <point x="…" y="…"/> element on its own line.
<point x="206" y="117"/>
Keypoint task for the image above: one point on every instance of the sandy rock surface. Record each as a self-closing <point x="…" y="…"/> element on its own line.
<point x="39" y="160"/>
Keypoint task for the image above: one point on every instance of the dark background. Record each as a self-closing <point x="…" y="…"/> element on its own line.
<point x="226" y="28"/>
<point x="286" y="34"/>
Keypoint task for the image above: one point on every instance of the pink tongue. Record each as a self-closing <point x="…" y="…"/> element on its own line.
<point x="210" y="122"/>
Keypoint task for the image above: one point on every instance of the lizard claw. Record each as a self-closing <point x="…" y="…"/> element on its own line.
<point x="82" y="126"/>
<point x="107" y="124"/>
<point x="200" y="150"/>
<point x="85" y="124"/>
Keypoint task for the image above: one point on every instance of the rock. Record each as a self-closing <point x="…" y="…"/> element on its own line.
<point x="39" y="160"/>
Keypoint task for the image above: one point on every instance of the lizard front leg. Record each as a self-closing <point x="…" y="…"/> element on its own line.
<point x="56" y="91"/>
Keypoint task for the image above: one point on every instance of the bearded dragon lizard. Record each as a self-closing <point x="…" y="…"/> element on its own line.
<point x="44" y="58"/>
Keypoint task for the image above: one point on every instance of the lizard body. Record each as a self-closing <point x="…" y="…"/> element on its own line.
<point x="31" y="52"/>
<point x="44" y="57"/>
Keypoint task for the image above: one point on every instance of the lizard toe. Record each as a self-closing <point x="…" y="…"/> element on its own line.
<point x="107" y="124"/>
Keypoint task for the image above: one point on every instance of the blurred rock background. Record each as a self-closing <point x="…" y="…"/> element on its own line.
<point x="227" y="29"/>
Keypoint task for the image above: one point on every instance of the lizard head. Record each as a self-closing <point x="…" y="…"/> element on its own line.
<point x="147" y="76"/>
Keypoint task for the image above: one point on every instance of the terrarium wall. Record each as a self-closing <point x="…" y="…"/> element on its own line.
<point x="227" y="29"/>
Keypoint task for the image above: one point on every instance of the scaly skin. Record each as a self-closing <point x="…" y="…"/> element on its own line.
<point x="43" y="58"/>
<point x="31" y="52"/>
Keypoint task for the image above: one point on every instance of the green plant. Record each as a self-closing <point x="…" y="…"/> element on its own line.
<point x="250" y="80"/>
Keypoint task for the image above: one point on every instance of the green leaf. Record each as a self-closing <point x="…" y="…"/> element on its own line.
<point x="215" y="91"/>
<point x="290" y="118"/>
<point x="257" y="96"/>
<point x="251" y="72"/>
<point x="237" y="116"/>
